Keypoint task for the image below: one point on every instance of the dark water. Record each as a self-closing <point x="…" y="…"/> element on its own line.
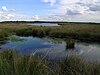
<point x="44" y="24"/>
<point x="53" y="49"/>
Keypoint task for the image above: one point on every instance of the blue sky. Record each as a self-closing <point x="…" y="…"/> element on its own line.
<point x="52" y="10"/>
<point x="25" y="6"/>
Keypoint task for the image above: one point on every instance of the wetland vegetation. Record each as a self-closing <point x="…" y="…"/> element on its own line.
<point x="83" y="32"/>
<point x="12" y="63"/>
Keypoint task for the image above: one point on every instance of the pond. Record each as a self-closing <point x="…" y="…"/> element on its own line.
<point x="51" y="48"/>
<point x="43" y="24"/>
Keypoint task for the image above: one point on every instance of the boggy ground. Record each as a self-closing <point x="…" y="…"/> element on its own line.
<point x="12" y="63"/>
<point x="83" y="32"/>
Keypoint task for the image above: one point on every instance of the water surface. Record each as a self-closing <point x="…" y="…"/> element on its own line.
<point x="52" y="49"/>
<point x="43" y="24"/>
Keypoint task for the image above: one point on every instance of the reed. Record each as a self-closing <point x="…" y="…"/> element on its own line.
<point x="13" y="64"/>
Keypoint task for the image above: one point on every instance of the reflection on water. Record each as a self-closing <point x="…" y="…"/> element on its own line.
<point x="44" y="24"/>
<point x="50" y="50"/>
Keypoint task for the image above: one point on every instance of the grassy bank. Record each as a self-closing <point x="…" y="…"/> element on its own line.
<point x="13" y="64"/>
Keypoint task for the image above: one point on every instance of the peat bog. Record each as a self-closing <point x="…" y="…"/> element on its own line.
<point x="74" y="49"/>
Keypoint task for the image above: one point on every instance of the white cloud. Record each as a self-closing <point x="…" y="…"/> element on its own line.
<point x="64" y="2"/>
<point x="4" y="8"/>
<point x="71" y="7"/>
<point x="6" y="14"/>
<point x="79" y="6"/>
<point x="1" y="13"/>
<point x="50" y="1"/>
<point x="12" y="10"/>
<point x="12" y="14"/>
<point x="35" y="17"/>
<point x="76" y="10"/>
<point x="62" y="10"/>
<point x="72" y="12"/>
<point x="78" y="18"/>
<point x="6" y="17"/>
<point x="95" y="7"/>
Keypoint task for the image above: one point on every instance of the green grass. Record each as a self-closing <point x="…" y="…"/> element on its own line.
<point x="55" y="40"/>
<point x="74" y="65"/>
<point x="13" y="64"/>
<point x="16" y="39"/>
<point x="3" y="34"/>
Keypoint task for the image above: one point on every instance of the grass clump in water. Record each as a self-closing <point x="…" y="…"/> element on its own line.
<point x="16" y="39"/>
<point x="70" y="43"/>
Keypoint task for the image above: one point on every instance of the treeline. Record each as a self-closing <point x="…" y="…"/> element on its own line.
<point x="28" y="22"/>
<point x="59" y="22"/>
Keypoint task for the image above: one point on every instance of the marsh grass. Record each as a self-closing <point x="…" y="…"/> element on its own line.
<point x="83" y="32"/>
<point x="16" y="39"/>
<point x="70" y="43"/>
<point x="13" y="64"/>
<point x="3" y="34"/>
<point x="74" y="65"/>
